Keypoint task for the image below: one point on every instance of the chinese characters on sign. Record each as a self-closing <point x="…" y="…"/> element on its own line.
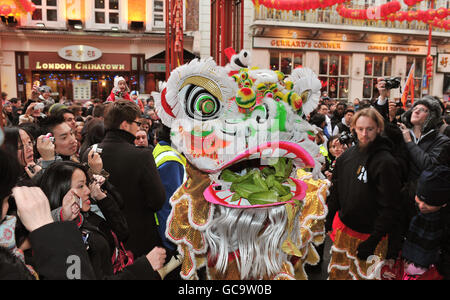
<point x="80" y="53"/>
<point x="443" y="62"/>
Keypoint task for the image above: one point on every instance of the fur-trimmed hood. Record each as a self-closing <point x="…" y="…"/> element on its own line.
<point x="434" y="117"/>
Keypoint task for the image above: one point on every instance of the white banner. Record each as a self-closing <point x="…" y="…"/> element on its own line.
<point x="443" y="62"/>
<point x="81" y="89"/>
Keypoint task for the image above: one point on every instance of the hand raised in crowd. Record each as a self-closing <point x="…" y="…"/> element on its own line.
<point x="384" y="93"/>
<point x="392" y="110"/>
<point x="95" y="162"/>
<point x="33" y="207"/>
<point x="70" y="206"/>
<point x="46" y="148"/>
<point x="32" y="169"/>
<point x="156" y="258"/>
<point x="35" y="92"/>
<point x="95" y="187"/>
<point x="405" y="131"/>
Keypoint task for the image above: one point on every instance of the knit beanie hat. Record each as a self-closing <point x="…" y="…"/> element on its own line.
<point x="433" y="186"/>
<point x="55" y="108"/>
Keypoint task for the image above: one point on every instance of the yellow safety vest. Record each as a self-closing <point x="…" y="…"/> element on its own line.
<point x="163" y="154"/>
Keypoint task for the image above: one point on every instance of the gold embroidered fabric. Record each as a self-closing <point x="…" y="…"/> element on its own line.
<point x="191" y="213"/>
<point x="344" y="265"/>
<point x="312" y="222"/>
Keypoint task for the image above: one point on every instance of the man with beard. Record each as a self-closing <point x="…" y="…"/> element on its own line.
<point x="363" y="204"/>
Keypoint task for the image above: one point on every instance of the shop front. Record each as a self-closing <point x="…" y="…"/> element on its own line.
<point x="78" y="72"/>
<point x="347" y="70"/>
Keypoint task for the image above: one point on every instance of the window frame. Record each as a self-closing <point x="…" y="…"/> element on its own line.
<point x="373" y="77"/>
<point x="149" y="19"/>
<point x="90" y="16"/>
<point x="416" y="78"/>
<point x="283" y="53"/>
<point x="338" y="77"/>
<point x="26" y="20"/>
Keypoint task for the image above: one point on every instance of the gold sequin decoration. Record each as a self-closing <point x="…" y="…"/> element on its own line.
<point x="312" y="222"/>
<point x="344" y="265"/>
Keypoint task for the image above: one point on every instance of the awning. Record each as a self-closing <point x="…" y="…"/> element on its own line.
<point x="161" y="56"/>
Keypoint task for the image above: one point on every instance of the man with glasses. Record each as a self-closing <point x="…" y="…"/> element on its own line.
<point x="133" y="172"/>
<point x="420" y="130"/>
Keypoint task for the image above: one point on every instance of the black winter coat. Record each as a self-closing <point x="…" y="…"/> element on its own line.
<point x="366" y="189"/>
<point x="134" y="174"/>
<point x="58" y="250"/>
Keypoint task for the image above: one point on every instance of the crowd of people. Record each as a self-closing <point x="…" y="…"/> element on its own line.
<point x="389" y="167"/>
<point x="94" y="166"/>
<point x="109" y="168"/>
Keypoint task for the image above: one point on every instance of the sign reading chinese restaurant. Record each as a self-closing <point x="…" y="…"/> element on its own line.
<point x="300" y="44"/>
<point x="80" y="53"/>
<point x="52" y="61"/>
<point x="443" y="62"/>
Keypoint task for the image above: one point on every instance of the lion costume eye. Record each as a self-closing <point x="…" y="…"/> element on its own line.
<point x="200" y="104"/>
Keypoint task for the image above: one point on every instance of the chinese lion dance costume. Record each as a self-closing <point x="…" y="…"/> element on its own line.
<point x="253" y="205"/>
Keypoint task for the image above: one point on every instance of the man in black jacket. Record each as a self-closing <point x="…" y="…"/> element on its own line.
<point x="424" y="143"/>
<point x="363" y="204"/>
<point x="133" y="172"/>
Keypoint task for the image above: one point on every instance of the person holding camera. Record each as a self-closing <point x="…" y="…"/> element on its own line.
<point x="363" y="203"/>
<point x="387" y="108"/>
<point x="424" y="143"/>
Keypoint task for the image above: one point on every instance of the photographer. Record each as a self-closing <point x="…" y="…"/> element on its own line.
<point x="420" y="130"/>
<point x="387" y="108"/>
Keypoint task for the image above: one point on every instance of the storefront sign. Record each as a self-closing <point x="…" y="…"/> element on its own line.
<point x="79" y="66"/>
<point x="443" y="62"/>
<point x="81" y="89"/>
<point x="51" y="61"/>
<point x="80" y="53"/>
<point x="261" y="42"/>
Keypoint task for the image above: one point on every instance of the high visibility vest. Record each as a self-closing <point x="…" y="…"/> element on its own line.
<point x="164" y="153"/>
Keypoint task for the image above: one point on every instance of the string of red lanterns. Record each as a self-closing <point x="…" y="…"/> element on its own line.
<point x="372" y="13"/>
<point x="297" y="4"/>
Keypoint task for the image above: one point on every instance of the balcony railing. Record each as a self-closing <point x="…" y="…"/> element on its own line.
<point x="331" y="17"/>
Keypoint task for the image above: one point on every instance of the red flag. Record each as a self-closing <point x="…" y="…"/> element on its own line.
<point x="409" y="87"/>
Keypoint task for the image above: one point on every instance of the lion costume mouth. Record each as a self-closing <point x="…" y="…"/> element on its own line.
<point x="257" y="159"/>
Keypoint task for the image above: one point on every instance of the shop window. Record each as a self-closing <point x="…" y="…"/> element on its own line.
<point x="334" y="75"/>
<point x="285" y="61"/>
<point x="156" y="15"/>
<point x="48" y="14"/>
<point x="419" y="75"/>
<point x="23" y="75"/>
<point x="107" y="14"/>
<point x="374" y="68"/>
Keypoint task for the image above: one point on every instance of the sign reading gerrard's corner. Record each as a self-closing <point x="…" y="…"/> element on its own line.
<point x="299" y="44"/>
<point x="52" y="61"/>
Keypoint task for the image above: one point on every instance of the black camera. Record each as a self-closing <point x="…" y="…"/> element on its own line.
<point x="346" y="138"/>
<point x="392" y="83"/>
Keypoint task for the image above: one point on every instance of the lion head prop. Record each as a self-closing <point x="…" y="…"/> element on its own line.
<point x="249" y="209"/>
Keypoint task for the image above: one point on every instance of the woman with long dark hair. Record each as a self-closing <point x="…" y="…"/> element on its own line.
<point x="19" y="142"/>
<point x="71" y="194"/>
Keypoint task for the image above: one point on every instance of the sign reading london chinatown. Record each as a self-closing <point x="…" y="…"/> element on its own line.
<point x="52" y="61"/>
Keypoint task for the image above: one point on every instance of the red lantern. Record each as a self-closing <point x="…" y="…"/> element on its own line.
<point x="446" y="24"/>
<point x="441" y="13"/>
<point x="5" y="10"/>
